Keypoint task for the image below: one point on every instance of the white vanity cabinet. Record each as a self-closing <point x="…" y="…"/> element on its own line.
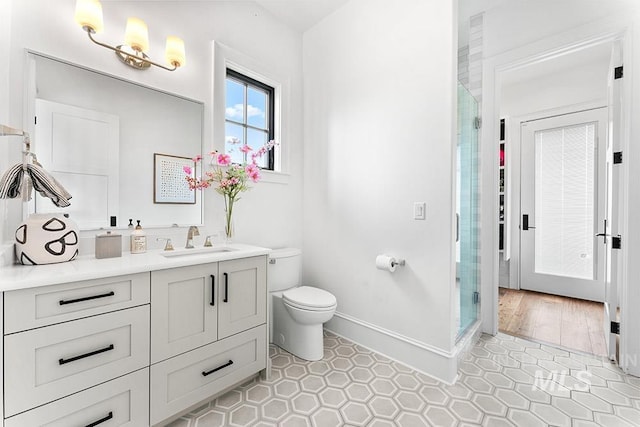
<point x="208" y="331"/>
<point x="133" y="342"/>
<point x="62" y="340"/>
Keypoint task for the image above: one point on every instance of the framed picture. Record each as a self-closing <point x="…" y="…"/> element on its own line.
<point x="169" y="183"/>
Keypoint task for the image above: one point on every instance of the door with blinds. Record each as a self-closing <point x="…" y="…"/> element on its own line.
<point x="563" y="204"/>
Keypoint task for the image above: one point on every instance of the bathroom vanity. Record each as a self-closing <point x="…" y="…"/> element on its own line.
<point x="138" y="339"/>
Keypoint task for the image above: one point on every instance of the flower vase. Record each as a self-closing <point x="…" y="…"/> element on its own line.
<point x="228" y="226"/>
<point x="228" y="218"/>
<point x="229" y="232"/>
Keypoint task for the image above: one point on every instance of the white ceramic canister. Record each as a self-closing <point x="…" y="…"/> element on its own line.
<point x="46" y="239"/>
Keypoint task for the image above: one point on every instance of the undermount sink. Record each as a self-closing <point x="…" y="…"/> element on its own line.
<point x="196" y="251"/>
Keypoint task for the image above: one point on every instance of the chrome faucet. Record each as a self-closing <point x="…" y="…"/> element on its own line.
<point x="193" y="231"/>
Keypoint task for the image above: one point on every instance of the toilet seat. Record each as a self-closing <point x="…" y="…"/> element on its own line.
<point x="309" y="298"/>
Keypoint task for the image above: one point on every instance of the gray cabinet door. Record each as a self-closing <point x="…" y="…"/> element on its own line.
<point x="243" y="295"/>
<point x="184" y="309"/>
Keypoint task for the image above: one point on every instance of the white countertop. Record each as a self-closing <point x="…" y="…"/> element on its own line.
<point x="86" y="268"/>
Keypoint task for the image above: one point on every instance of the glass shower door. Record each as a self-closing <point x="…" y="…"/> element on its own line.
<point x="467" y="244"/>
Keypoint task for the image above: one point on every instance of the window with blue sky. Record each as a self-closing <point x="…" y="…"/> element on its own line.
<point x="248" y="117"/>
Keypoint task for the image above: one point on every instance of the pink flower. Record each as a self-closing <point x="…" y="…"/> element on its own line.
<point x="255" y="175"/>
<point x="197" y="158"/>
<point x="245" y="148"/>
<point x="253" y="172"/>
<point x="187" y="170"/>
<point x="224" y="159"/>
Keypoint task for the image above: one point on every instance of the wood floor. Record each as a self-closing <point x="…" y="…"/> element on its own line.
<point x="568" y="322"/>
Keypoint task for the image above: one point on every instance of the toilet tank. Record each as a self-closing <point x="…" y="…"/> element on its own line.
<point x="285" y="269"/>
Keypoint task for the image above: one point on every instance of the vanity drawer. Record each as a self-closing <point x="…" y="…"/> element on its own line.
<point x="45" y="364"/>
<point x="189" y="378"/>
<point x="32" y="308"/>
<point x="120" y="402"/>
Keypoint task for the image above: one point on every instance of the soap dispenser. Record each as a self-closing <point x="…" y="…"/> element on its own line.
<point x="138" y="240"/>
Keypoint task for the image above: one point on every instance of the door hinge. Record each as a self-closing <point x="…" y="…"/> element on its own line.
<point x="476" y="297"/>
<point x="617" y="157"/>
<point x="35" y="120"/>
<point x="615" y="328"/>
<point x="618" y="72"/>
<point x="477" y="122"/>
<point x="616" y="242"/>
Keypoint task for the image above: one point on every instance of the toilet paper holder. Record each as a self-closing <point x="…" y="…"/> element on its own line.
<point x="398" y="262"/>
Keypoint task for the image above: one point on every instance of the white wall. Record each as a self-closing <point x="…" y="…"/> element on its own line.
<point x="563" y="88"/>
<point x="268" y="215"/>
<point x="379" y="101"/>
<point x="514" y="24"/>
<point x="517" y="31"/>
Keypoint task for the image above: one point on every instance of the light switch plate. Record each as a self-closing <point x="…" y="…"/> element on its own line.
<point x="419" y="210"/>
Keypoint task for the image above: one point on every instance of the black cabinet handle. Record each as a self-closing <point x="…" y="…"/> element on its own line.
<point x="101" y="420"/>
<point x="71" y="301"/>
<point x="213" y="289"/>
<point x="82" y="356"/>
<point x="205" y="373"/>
<point x="226" y="288"/>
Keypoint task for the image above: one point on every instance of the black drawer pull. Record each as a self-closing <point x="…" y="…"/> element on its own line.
<point x="71" y="301"/>
<point x="205" y="373"/>
<point x="213" y="289"/>
<point x="82" y="356"/>
<point x="101" y="420"/>
<point x="226" y="288"/>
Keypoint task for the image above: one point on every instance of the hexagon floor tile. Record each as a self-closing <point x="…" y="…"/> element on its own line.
<point x="503" y="381"/>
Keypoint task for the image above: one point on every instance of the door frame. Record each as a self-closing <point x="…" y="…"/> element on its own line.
<point x="493" y="69"/>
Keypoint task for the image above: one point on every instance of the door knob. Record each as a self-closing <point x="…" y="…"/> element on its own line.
<point x="604" y="233"/>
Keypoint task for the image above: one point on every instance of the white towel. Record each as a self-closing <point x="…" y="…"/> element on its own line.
<point x="45" y="184"/>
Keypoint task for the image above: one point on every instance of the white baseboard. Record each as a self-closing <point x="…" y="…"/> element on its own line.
<point x="430" y="360"/>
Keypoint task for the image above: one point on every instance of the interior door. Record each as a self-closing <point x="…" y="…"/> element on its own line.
<point x="563" y="204"/>
<point x="611" y="230"/>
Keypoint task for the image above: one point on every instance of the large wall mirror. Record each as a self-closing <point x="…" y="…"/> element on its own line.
<point x="116" y="146"/>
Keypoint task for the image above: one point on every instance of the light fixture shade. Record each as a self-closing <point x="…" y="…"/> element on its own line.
<point x="174" y="53"/>
<point x="137" y="35"/>
<point x="89" y="15"/>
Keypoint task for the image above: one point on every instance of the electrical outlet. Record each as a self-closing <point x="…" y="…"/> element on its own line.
<point x="419" y="210"/>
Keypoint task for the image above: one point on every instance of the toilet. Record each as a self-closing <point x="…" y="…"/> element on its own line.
<point x="297" y="312"/>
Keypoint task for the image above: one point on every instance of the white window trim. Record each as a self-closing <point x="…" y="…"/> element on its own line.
<point x="225" y="57"/>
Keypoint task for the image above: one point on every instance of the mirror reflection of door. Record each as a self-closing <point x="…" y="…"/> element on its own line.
<point x="80" y="148"/>
<point x="563" y="204"/>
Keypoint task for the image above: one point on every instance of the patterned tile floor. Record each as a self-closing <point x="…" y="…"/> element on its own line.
<point x="504" y="381"/>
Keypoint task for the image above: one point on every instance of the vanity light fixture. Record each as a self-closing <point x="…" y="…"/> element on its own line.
<point x="136" y="39"/>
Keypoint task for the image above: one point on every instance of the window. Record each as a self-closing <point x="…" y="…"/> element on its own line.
<point x="249" y="117"/>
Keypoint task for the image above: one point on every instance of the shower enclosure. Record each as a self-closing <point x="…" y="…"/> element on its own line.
<point x="467" y="212"/>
